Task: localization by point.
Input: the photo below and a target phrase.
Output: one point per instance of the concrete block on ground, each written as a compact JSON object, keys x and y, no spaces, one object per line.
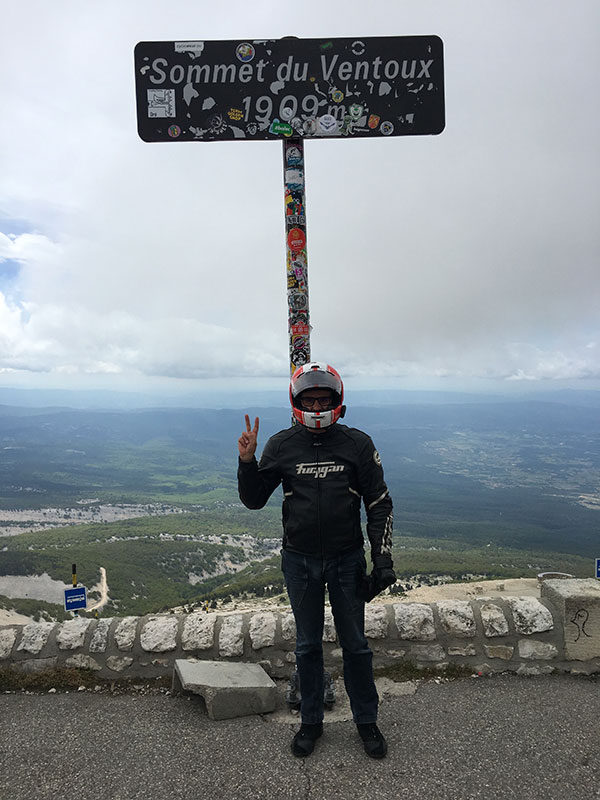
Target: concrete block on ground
{"x":229,"y":689}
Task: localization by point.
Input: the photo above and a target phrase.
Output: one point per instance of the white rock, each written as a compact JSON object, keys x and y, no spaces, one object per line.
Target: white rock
{"x":414,"y":621}
{"x":125,"y":633}
{"x":100,"y":636}
{"x":288,"y":626}
{"x":467,"y":650}
{"x":7,"y":640}
{"x":395,"y":653}
{"x":533,"y":670}
{"x":159,"y":634}
{"x":457,"y":618}
{"x":505,"y":652}
{"x":81,"y":661}
{"x":290,"y":657}
{"x":530,"y":615}
{"x":494,"y":621}
{"x":427,"y":652}
{"x":35,"y":636}
{"x":33,"y":666}
{"x":262,"y":629}
{"x":585,"y":669}
{"x":329,"y":632}
{"x":118,"y":663}
{"x":231,"y":636}
{"x":534,"y":651}
{"x":71,"y":634}
{"x":198,"y":631}
{"x":376,"y":623}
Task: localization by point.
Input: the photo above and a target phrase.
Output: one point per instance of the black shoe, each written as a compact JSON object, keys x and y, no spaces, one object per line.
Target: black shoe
{"x":373,"y":740}
{"x":303,"y":742}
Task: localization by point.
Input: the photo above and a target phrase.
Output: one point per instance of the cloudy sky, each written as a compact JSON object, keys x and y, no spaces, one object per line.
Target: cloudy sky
{"x":464,"y":257}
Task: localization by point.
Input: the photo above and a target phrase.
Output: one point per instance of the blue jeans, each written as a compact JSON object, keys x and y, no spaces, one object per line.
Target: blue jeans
{"x":305,"y":578}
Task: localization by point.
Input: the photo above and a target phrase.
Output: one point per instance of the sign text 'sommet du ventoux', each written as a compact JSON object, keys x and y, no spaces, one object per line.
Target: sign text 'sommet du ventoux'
{"x":269,"y":89}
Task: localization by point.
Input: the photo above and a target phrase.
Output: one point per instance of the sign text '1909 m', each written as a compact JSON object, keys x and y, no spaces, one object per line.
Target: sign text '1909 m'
{"x":209,"y":91}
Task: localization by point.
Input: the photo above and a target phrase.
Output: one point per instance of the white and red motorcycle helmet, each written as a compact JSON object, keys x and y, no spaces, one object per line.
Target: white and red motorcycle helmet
{"x":317,"y":375}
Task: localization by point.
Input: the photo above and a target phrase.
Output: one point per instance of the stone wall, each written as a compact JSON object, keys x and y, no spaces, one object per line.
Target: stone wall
{"x":559,"y":632}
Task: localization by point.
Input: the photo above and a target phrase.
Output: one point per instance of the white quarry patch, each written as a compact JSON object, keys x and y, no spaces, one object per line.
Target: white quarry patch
{"x":376,"y":624}
{"x":198,"y":631}
{"x":457,"y":618}
{"x":530,"y":615}
{"x":125,"y":633}
{"x":34,"y":587}
{"x":35,"y":636}
{"x":44,"y":518}
{"x":262,"y":630}
{"x":414,"y":621}
{"x":100,"y":636}
{"x":494,"y":621}
{"x":536,"y":651}
{"x":159,"y":634}
{"x":231,"y":636}
{"x":71,"y":634}
{"x":7,"y":641}
{"x":12,"y":618}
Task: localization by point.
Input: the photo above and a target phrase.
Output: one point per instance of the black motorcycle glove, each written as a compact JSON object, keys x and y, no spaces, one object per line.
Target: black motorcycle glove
{"x":380,"y":578}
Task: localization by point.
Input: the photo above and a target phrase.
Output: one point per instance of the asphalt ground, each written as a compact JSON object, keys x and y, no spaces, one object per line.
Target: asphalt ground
{"x":494,"y":738}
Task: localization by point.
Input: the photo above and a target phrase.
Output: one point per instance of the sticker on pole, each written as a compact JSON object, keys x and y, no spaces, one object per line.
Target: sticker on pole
{"x":76,"y":598}
{"x":273,"y":89}
{"x":296,"y":240}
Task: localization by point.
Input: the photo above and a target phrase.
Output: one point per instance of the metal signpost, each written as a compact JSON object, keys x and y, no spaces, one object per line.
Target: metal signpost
{"x":290,"y":89}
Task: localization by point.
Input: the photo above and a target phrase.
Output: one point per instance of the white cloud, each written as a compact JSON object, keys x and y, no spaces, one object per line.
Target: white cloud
{"x":428,"y":256}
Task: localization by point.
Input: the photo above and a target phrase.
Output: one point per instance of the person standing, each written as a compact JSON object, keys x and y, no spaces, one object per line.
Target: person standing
{"x":325,"y":469}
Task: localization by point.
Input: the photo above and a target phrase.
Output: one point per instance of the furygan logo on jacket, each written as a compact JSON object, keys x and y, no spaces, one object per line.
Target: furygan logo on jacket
{"x":319,"y":470}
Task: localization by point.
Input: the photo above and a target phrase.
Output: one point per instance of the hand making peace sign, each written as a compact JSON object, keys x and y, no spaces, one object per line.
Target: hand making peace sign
{"x":247,"y":441}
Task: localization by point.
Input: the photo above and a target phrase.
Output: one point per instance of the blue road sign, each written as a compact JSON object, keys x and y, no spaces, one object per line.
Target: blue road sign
{"x":598,"y":567}
{"x":75,"y":598}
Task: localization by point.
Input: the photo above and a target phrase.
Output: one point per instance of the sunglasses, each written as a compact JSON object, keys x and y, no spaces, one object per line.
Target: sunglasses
{"x":322,"y":402}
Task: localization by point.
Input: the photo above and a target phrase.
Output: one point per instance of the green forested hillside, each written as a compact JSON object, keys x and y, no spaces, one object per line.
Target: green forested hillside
{"x":504,"y":489}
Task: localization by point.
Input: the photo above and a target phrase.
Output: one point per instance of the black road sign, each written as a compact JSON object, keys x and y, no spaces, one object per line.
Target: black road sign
{"x":198,"y":91}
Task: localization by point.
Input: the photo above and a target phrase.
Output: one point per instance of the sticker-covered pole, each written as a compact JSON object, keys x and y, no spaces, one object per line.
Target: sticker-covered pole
{"x":297,"y":259}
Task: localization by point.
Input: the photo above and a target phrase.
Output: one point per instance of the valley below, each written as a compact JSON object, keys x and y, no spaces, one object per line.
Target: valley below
{"x":484,"y":490}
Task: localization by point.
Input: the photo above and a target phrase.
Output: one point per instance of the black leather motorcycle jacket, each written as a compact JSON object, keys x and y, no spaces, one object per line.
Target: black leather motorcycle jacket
{"x":324,"y":476}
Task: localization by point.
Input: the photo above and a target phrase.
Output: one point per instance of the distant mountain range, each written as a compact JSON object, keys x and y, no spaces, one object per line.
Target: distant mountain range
{"x":238,"y":398}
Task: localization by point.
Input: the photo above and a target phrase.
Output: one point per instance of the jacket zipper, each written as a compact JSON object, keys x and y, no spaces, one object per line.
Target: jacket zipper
{"x":316,"y":445}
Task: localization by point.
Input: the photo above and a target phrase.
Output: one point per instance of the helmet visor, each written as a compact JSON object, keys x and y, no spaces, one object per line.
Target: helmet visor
{"x":316,"y":379}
